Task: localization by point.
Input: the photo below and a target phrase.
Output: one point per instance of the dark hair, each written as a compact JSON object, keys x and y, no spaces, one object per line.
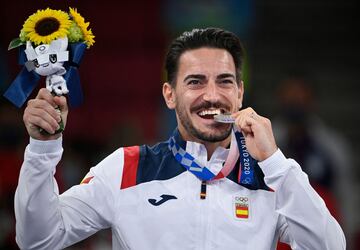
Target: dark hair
{"x":198,"y":38}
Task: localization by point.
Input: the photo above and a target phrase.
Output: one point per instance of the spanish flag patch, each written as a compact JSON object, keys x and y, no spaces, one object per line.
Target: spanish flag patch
{"x":242,"y":207}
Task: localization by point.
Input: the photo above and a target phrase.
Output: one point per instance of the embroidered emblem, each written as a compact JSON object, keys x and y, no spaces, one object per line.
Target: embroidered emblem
{"x":241,"y":207}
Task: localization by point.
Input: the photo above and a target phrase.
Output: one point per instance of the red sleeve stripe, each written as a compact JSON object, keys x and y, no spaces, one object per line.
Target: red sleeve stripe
{"x":86,"y":180}
{"x":131,"y":161}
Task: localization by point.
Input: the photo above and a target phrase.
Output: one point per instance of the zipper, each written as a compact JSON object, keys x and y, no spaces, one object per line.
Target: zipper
{"x":203,"y":190}
{"x":204,"y":230}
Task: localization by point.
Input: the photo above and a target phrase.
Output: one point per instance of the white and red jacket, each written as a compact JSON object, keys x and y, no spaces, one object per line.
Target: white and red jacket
{"x":151,"y":202}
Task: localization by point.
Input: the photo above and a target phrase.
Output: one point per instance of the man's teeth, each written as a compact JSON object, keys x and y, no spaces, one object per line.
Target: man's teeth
{"x":210,"y":112}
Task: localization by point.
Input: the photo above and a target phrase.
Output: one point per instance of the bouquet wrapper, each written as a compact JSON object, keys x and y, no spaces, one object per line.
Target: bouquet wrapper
{"x":26,"y":81}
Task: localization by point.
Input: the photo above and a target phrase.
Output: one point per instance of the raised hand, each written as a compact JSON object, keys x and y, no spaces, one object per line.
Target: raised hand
{"x":260,"y":141}
{"x":41,"y":113}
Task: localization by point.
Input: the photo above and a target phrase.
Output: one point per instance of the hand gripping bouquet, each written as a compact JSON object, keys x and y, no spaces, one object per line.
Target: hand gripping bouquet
{"x":51,"y":44}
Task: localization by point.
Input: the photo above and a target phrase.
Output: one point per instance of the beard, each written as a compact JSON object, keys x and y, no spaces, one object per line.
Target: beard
{"x":219,"y":131}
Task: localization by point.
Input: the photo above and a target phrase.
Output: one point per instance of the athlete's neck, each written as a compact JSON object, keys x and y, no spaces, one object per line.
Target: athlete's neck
{"x":210,"y":146}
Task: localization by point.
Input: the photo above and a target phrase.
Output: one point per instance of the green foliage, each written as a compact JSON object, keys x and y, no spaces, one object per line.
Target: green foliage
{"x":15,"y":43}
{"x":75,"y":33}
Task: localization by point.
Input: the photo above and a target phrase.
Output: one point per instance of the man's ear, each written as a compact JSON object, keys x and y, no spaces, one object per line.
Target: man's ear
{"x":169,"y":95}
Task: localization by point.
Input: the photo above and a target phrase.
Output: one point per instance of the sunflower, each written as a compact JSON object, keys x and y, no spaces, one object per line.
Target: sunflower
{"x":45,"y":26}
{"x":80,"y":22}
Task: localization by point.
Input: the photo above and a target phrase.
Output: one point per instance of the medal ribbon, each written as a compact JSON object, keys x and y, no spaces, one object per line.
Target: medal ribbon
{"x":247,"y":169}
{"x":203,"y":173}
{"x":247,"y":163}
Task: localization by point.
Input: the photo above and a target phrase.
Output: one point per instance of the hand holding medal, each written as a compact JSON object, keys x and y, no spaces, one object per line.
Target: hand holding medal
{"x":51,"y":44}
{"x":256,"y":129}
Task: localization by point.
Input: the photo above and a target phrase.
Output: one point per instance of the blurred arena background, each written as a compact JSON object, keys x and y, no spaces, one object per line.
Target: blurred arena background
{"x":301,"y":71}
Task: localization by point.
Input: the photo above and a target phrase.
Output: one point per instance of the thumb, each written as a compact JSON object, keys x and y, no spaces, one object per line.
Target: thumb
{"x":61,"y":102}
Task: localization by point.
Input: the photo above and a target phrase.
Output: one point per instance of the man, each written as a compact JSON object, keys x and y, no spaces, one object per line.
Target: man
{"x":191,"y":192}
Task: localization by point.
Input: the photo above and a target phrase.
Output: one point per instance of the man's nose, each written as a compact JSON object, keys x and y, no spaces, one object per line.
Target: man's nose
{"x":211,"y":93}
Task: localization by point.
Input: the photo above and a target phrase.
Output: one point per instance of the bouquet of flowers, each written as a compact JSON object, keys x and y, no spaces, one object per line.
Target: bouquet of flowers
{"x":51,"y":43}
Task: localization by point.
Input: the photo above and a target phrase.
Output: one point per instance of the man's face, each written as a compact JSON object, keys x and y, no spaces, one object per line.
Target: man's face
{"x":205,"y":86}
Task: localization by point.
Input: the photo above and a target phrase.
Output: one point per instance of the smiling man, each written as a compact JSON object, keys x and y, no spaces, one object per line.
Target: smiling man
{"x":205,"y":85}
{"x":215,"y":184}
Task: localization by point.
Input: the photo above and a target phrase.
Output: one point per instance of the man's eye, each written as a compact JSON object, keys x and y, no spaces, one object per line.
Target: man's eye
{"x":193,"y":82}
{"x":227,"y":81}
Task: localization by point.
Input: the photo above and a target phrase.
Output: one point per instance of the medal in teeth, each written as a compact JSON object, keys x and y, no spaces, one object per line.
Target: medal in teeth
{"x":210,"y":112}
{"x":224,"y":118}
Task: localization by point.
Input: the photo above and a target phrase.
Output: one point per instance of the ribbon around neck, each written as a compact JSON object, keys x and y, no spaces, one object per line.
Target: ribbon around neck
{"x":26,"y":81}
{"x":250,"y":174}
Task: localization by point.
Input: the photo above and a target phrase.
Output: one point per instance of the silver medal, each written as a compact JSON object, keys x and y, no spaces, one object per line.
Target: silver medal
{"x":224,"y":118}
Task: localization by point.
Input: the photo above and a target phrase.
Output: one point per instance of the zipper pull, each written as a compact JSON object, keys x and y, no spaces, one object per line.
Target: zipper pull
{"x":203,"y":190}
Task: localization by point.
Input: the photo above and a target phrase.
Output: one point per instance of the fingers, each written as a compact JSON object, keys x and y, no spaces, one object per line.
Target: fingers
{"x":43,"y":107}
{"x":61,"y":103}
{"x":258,"y":133}
{"x":45,"y":94}
{"x":41,"y":112}
{"x":246,"y":119}
{"x":38,"y":121}
{"x":250,"y":122}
